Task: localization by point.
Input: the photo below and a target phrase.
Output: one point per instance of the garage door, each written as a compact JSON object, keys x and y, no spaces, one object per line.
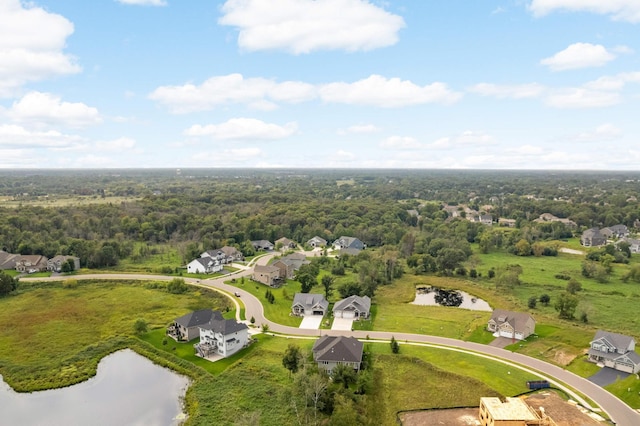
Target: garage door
{"x":506,"y":334}
{"x":318,"y":313}
{"x":348,"y":314}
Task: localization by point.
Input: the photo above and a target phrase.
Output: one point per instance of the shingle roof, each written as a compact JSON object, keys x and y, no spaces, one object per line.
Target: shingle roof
{"x":197,"y":318}
{"x":309,"y":300}
{"x":518,"y":320}
{"x":363,"y":304}
{"x":620,"y":341}
{"x":223,"y":326}
{"x":338,"y":349}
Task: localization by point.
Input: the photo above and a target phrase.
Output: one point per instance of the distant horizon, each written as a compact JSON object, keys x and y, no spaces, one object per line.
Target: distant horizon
{"x":353,"y":84}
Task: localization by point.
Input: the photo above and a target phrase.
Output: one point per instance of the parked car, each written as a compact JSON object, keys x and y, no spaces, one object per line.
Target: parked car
{"x":236,"y":294}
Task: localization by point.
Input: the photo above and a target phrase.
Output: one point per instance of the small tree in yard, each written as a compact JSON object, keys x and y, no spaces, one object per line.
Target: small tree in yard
{"x":566,"y":305}
{"x":7,"y":283}
{"x":545,"y":299}
{"x":292,"y":359}
{"x":573,"y":286}
{"x":344,"y":374}
{"x":140,"y":326}
{"x":533,"y":301}
{"x":395,"y":346}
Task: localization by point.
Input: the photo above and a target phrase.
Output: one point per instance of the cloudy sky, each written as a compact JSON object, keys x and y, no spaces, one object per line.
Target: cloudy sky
{"x":511,"y":84}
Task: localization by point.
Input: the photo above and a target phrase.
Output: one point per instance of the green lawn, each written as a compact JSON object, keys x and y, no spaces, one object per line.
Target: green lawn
{"x":57,"y":327}
{"x":280,"y":310}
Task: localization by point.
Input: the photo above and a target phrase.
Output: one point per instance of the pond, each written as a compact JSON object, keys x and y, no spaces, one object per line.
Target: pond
{"x":128,"y":389}
{"x":434,"y":296}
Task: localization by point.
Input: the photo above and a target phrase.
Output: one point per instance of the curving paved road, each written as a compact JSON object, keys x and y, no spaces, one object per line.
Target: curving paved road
{"x":616,"y":409}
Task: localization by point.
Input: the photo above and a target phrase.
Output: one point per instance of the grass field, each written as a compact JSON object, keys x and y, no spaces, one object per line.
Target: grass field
{"x":62,"y":201}
{"x":281,"y":308}
{"x":52,"y":327}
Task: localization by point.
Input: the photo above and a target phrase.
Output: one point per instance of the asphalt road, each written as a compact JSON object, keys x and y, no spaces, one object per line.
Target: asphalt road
{"x":617,"y":410}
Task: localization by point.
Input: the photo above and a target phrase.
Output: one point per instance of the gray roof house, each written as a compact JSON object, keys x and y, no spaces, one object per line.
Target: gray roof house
{"x":187,"y":327}
{"x":593,"y":238}
{"x":514,"y":325}
{"x":616,"y":231}
{"x":317,"y":242}
{"x":56,"y":264}
{"x":614,"y":350}
{"x":353,"y":307}
{"x":349,"y":242}
{"x":8,"y":260}
{"x":289,"y":264}
{"x":222,"y":337}
{"x":262,"y":245}
{"x":331,"y":351}
{"x":309,"y":304}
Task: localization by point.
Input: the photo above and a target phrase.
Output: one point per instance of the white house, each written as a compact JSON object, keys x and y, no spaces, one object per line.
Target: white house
{"x":353,"y":307}
{"x":221,"y":336}
{"x":204,"y":265}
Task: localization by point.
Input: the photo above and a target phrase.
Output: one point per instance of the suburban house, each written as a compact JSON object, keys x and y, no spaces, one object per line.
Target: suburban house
{"x":289,"y":264}
{"x":8,"y":260}
{"x":353,"y":307}
{"x":452,"y":211}
{"x":31,"y":263}
{"x":593,"y":238}
{"x":317,"y":242}
{"x":485,"y":219}
{"x":204,"y":265}
{"x":348,"y":242}
{"x":510,"y":412}
{"x":286,"y":243}
{"x":510,"y":223}
{"x":614,"y":350}
{"x":187,"y":327}
{"x":267,"y":275}
{"x":309,"y":304}
{"x":514,"y":325}
{"x":56,"y":264}
{"x":548,"y":217}
{"x":262,"y":245}
{"x":226,"y":254}
{"x":634,"y":245}
{"x":331,"y":351}
{"x":221,"y":336}
{"x":615,"y":231}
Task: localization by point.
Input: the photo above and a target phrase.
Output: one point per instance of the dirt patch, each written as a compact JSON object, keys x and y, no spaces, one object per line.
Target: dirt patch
{"x":562,"y":358}
{"x":570,"y":251}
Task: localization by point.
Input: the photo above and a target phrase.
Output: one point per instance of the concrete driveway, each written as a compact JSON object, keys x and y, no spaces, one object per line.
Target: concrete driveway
{"x":342,"y":324}
{"x":311,"y":322}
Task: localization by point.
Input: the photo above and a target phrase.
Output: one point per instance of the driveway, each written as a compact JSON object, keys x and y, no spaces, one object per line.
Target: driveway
{"x":342,"y":324}
{"x":606,"y":376}
{"x":311,"y":322}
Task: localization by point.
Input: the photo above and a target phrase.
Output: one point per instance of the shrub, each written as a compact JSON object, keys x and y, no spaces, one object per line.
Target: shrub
{"x":177,"y":286}
{"x":70,"y":283}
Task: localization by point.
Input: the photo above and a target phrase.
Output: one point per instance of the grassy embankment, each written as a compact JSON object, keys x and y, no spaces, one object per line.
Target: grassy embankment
{"x":63,"y":333}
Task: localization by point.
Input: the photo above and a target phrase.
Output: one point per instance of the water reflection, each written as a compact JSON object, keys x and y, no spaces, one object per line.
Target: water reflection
{"x":434,"y":296}
{"x":128,"y":389}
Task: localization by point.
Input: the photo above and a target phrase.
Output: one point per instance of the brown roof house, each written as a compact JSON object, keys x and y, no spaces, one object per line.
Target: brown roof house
{"x":267,"y":275}
{"x":8,"y":260}
{"x":31,"y":263}
{"x":331,"y":351}
{"x":284,"y":243}
{"x":614,"y":350}
{"x":514,"y":325}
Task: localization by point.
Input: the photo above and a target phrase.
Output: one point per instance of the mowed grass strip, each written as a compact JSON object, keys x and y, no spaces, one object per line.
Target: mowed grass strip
{"x":49,"y":326}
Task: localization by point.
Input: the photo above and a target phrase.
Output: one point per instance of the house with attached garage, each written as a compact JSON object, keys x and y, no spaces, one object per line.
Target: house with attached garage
{"x":615,"y":231}
{"x":614,"y":350}
{"x":514,"y":325}
{"x":353,"y":307}
{"x":309,"y":304}
{"x":317,"y":242}
{"x":331,"y":351}
{"x":8,"y":260}
{"x":187,"y":327}
{"x":262,"y":245}
{"x":348,"y":243}
{"x":56,"y":264}
{"x":226,"y":254}
{"x":31,"y":263}
{"x":285,"y":244}
{"x":220,"y":336}
{"x":204,"y":265}
{"x":593,"y":238}
{"x":289,"y":264}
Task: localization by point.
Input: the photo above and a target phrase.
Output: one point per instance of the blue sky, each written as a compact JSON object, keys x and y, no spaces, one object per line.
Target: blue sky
{"x":514,"y":84}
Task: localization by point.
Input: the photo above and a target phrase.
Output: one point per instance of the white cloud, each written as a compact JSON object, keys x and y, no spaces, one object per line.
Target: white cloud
{"x":32,"y":41}
{"x":342,"y":155}
{"x":303,"y":26}
{"x":15,"y":136}
{"x":45,"y":108}
{"x":231,"y":89}
{"x":117,"y":145}
{"x":582,"y":98}
{"x":400,"y":142}
{"x":619,"y":10}
{"x":604,"y":133}
{"x":579,"y":55}
{"x":144,"y":2}
{"x":359,"y":129}
{"x":379,"y":91}
{"x":243,"y":128}
{"x":520,"y":91}
{"x":464,"y":139}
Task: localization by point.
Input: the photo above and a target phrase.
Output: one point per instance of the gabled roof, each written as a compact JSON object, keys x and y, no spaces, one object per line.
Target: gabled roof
{"x":266,"y":269}
{"x":362,"y":304}
{"x":337,"y":349}
{"x":619,"y":341}
{"x":286,"y":241}
{"x":8,"y":260}
{"x":205,"y":261}
{"x":318,"y":240}
{"x":309,"y":300}
{"x":517,"y":320}
{"x":197,"y":318}
{"x":217,"y":324}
